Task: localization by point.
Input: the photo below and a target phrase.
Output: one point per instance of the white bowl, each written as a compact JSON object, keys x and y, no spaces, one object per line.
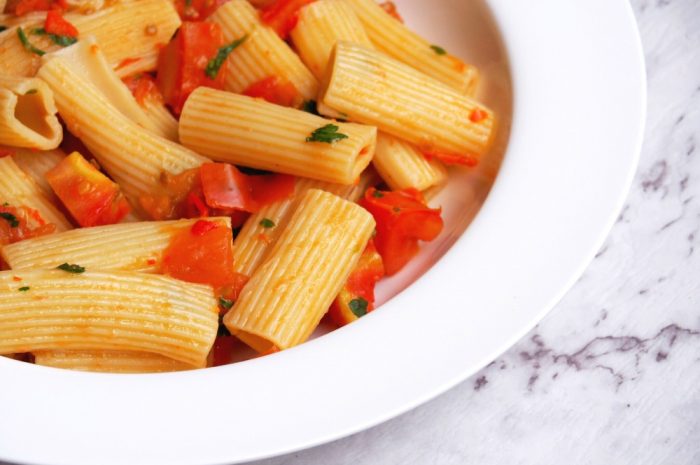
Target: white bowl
{"x":578,"y":103}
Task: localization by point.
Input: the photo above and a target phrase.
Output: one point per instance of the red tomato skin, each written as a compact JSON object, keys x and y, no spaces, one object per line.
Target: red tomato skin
{"x":22,"y":7}
{"x":142,"y":87}
{"x":56,"y":24}
{"x":91,"y":197}
{"x":283,"y":15}
{"x":182,"y":63}
{"x":31,"y":224}
{"x":403,"y":218}
{"x":275,"y":90}
{"x":197,"y":10}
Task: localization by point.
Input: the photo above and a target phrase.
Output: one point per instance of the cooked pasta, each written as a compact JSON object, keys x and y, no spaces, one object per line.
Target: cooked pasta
{"x":108,"y":361}
{"x":106,"y":311}
{"x":402,"y":165}
{"x":37,"y":164}
{"x":287,"y":296}
{"x":252,"y":132}
{"x":28,"y":114}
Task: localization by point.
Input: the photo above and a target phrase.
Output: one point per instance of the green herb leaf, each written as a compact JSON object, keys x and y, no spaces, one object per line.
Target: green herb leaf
{"x":23,"y":289}
{"x":31,"y":91}
{"x":225,"y":303}
{"x":77,"y":269}
{"x":378,"y":194}
{"x":215,"y":63}
{"x":358,"y":307}
{"x":26,"y":44}
{"x":267,"y":223}
{"x":63,"y":41}
{"x":10,"y":218}
{"x":439,"y":50}
{"x":310,"y":106}
{"x":328,"y":134}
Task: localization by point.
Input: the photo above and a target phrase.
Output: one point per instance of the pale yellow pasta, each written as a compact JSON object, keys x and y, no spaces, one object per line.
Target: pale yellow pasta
{"x":263,"y":54}
{"x":108,"y":361}
{"x":19,"y":190}
{"x":372,"y":88}
{"x":37,"y":164}
{"x":262,"y":229}
{"x":28,"y":114}
{"x":127,"y":247}
{"x":132,"y":155}
{"x":161,"y":117}
{"x":402,"y":165}
{"x":129,"y":29}
{"x":286,"y":297}
{"x":252,"y":132}
{"x":321,"y":24}
{"x":86,"y":7}
{"x":399,"y":42}
{"x":106,"y":311}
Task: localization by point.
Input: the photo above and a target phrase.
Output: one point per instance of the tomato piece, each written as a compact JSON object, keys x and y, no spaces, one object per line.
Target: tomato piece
{"x":271,"y":188}
{"x":357,"y":295}
{"x":6,"y":152}
{"x":182,"y":63}
{"x":56,"y":24}
{"x":275,"y":90}
{"x":91,"y":197}
{"x":143,"y":87}
{"x":222,"y":352}
{"x":390,"y":7}
{"x":453,"y":159}
{"x":19,"y":223}
{"x":22,"y":7}
{"x":403,"y":218}
{"x":175,"y":196}
{"x":204,"y":257}
{"x":197,"y":10}
{"x":283,"y":15}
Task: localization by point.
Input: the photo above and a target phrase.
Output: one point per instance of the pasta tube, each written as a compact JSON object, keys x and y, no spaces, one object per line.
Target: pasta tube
{"x":19,"y":190}
{"x":28,"y":114}
{"x":108,"y":361}
{"x":394,"y":39}
{"x":287,"y":296}
{"x":372,"y":88}
{"x":125,"y":246}
{"x":262,"y":55}
{"x":401,"y":165}
{"x":37,"y":164}
{"x":321,"y":24}
{"x":55,"y":309}
{"x":134,"y":157}
{"x":252,"y":132}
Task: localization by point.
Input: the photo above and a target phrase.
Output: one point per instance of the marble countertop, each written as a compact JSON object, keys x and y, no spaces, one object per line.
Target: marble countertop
{"x":612,"y":375}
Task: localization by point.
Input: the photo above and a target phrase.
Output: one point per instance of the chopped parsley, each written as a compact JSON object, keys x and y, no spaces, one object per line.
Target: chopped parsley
{"x":63,"y":41}
{"x":358,"y":307}
{"x":328,"y":134}
{"x":310,"y":106}
{"x":267,"y":223}
{"x":23,"y":289}
{"x":10,"y":218}
{"x":439,"y":50}
{"x":225,"y":303}
{"x":31,"y":91}
{"x":377,"y":194}
{"x":77,"y":269}
{"x":26,"y":44}
{"x":215,"y":63}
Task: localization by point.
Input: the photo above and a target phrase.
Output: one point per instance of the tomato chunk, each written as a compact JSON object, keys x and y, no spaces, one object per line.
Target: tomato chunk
{"x":90,"y":196}
{"x":390,"y":7}
{"x":22,"y":7}
{"x":56,"y":24}
{"x":182,"y":63}
{"x":275,"y":90}
{"x":20,"y":222}
{"x":356,"y":298}
{"x":403,"y":218}
{"x":283,"y":15}
{"x":143,"y":87}
{"x":197,"y":10}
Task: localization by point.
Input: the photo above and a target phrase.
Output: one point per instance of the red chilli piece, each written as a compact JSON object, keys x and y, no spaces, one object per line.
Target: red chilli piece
{"x":477,"y":115}
{"x":56,"y":24}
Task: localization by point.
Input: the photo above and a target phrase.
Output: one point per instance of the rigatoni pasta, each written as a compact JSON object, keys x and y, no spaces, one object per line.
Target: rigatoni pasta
{"x":252,"y":132}
{"x":108,"y":361}
{"x":37,"y":164}
{"x":287,"y":296}
{"x":401,"y":165}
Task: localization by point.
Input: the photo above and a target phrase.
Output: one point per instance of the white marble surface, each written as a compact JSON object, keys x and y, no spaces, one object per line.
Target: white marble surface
{"x":612,"y":375}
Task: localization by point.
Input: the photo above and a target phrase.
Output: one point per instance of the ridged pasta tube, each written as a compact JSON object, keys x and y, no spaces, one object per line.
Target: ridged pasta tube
{"x":133,"y":156}
{"x":262,"y":55}
{"x":321,"y":24}
{"x":394,"y":39}
{"x":372,"y":88}
{"x":106,"y":311}
{"x":108,"y":361}
{"x":19,"y":190}
{"x":252,"y":132}
{"x":37,"y":164}
{"x":286,"y":297}
{"x":28,"y":114}
{"x":125,"y":246}
{"x":401,"y":165}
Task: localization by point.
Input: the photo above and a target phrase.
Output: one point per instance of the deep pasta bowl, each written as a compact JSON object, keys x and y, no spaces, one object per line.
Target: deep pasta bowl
{"x":567,"y":81}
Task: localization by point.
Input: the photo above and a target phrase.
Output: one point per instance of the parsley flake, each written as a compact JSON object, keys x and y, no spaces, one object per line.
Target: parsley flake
{"x":63,"y":41}
{"x":77,"y":269}
{"x":267,"y":223}
{"x":377,"y":194}
{"x":328,"y":134}
{"x":310,"y":106}
{"x":358,"y":307}
{"x":439,"y":50}
{"x":215,"y":63}
{"x":225,"y":303}
{"x":26,"y":44}
{"x":10,"y":218}
{"x":23,"y":289}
